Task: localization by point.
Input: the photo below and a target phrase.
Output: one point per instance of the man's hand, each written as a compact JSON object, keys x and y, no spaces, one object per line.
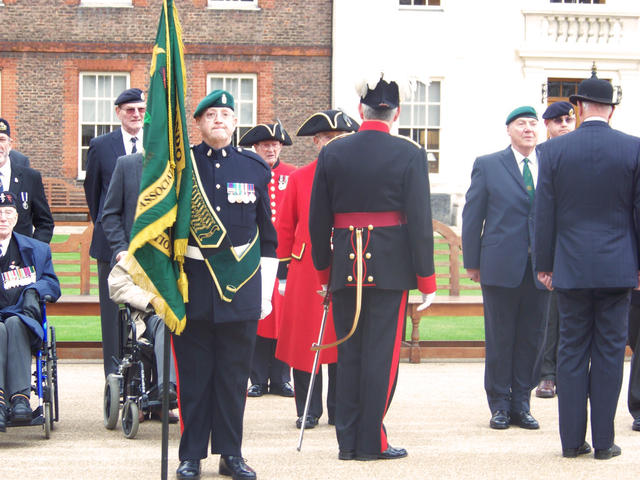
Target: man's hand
{"x":322,"y":292}
{"x":545,"y":279}
{"x":427,"y":299}
{"x":265,"y":308}
{"x":282,"y":285}
{"x":31,"y":304}
{"x":474,"y":274}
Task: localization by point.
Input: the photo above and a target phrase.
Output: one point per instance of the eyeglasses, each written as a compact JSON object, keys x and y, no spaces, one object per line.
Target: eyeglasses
{"x":132,"y":110}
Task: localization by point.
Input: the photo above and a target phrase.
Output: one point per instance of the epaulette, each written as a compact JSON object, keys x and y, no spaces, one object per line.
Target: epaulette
{"x":253,"y":156}
{"x":408,"y":140}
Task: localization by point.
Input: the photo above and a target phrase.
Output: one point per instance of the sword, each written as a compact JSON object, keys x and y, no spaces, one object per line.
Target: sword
{"x":325,"y":303}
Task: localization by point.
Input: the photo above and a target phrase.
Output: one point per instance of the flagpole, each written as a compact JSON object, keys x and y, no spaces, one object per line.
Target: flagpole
{"x":165,"y":402}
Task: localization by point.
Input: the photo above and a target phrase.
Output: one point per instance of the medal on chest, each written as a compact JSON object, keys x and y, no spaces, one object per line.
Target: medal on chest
{"x":282,"y":182}
{"x":241,"y":192}
{"x":18,"y":276}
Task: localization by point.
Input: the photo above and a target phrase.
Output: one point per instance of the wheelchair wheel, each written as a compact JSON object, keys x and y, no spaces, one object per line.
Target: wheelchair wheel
{"x":48,"y":405}
{"x":130,"y":420}
{"x":54,"y":375}
{"x":48,"y":420}
{"x":111,"y":401}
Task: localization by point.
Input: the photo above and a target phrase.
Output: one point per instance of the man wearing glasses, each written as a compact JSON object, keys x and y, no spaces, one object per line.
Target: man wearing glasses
{"x":101,"y":161}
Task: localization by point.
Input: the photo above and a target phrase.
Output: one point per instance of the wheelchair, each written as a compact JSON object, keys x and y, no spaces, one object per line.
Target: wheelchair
{"x":134,"y":386}
{"x":45,"y":384}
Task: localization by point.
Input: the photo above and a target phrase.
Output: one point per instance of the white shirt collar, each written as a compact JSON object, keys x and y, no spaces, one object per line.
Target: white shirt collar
{"x":5,"y":171}
{"x":598,"y":119}
{"x":126,"y":139}
{"x":533,"y":158}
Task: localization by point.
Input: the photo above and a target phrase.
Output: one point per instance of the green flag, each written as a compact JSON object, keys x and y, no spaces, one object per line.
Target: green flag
{"x":161,"y":227}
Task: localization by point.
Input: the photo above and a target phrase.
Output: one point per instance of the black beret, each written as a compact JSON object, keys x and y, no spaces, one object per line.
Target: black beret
{"x":558,"y":109}
{"x":5,"y":127}
{"x":327,"y":121}
{"x":7,"y":199}
{"x":519,"y":112}
{"x":131,"y":95}
{"x":217,"y":98}
{"x":385,"y":95}
{"x":259,"y":133}
{"x":594,"y":90}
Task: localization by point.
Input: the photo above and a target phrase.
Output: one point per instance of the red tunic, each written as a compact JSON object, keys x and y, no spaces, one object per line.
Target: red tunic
{"x":301,"y":311}
{"x":268,"y":327}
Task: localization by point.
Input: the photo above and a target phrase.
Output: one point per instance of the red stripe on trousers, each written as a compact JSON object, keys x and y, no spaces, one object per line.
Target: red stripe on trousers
{"x":395,"y":361}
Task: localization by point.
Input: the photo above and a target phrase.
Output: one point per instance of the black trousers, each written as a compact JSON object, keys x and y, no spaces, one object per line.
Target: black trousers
{"x":213,"y":362}
{"x":301,"y":380}
{"x":514,"y":333}
{"x":108,"y":320}
{"x":266,"y":368}
{"x":633,"y":399}
{"x":593,"y":337}
{"x":367,"y":366}
{"x":550,"y":353}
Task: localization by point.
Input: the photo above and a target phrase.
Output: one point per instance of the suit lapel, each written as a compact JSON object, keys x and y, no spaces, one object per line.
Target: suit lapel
{"x":508,"y":159}
{"x":117,"y":144}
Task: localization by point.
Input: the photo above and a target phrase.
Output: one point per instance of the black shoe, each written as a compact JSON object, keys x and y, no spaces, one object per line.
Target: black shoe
{"x":188,"y":469}
{"x":391,"y":453}
{"x":574,"y":452}
{"x":256,"y":390}
{"x":524,"y":420}
{"x":499,"y":420}
{"x":173,"y":394}
{"x":311,"y":422}
{"x":636,"y":424}
{"x":3,"y":419}
{"x":606,"y":453}
{"x":236,"y":468}
{"x":346,"y":455}
{"x":284,"y":390}
{"x":20,"y":409}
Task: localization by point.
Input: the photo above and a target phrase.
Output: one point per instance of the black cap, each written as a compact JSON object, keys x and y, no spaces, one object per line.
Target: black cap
{"x":5,"y":127}
{"x":594,"y":90}
{"x":558,"y":109}
{"x":7,"y":199}
{"x":131,"y":95}
{"x":259,"y":133}
{"x":327,"y":121}
{"x":384,"y":95}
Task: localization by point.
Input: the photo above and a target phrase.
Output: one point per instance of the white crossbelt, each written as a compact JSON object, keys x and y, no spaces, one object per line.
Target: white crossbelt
{"x":196,"y":254}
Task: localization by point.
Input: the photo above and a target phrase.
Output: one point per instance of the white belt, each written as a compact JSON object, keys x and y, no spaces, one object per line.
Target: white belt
{"x":196,"y":254}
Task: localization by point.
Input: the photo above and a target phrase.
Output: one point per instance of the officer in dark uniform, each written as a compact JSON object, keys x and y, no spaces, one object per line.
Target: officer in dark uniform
{"x":231,"y":267}
{"x":34,"y":215}
{"x":268,"y":374}
{"x":372,"y":189}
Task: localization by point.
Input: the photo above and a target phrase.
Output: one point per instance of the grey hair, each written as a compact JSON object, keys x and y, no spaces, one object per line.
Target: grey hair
{"x":383,"y":114}
{"x":594,"y":107}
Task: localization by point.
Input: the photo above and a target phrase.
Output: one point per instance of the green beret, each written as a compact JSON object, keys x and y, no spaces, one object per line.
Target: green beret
{"x":528,"y":112}
{"x":217,"y":98}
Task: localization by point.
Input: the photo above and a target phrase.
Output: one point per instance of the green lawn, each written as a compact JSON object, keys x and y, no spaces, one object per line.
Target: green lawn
{"x":76,"y":329}
{"x":449,"y":328}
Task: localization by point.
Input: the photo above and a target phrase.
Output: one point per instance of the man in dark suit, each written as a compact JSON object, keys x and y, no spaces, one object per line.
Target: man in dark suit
{"x":34,"y":215}
{"x":101,"y":161}
{"x":633,"y":397}
{"x":497,"y":233}
{"x":559,"y":118}
{"x":587,"y":212}
{"x":371,"y":189}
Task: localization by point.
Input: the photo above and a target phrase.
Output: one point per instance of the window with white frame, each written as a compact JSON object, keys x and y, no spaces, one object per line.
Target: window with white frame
{"x":234,"y":4}
{"x":106,"y":3}
{"x":420,"y":3}
{"x":420,"y":121}
{"x":97,"y":92}
{"x":244,"y":91}
{"x":579,"y":1}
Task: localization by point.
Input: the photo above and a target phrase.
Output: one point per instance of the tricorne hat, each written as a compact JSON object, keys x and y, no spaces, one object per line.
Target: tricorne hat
{"x":265,"y":131}
{"x":327,"y":121}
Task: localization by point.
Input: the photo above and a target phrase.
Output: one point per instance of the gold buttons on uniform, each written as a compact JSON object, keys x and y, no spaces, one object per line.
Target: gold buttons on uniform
{"x":224,"y":152}
{"x":370,"y":278}
{"x":351,"y":228}
{"x":370,"y":227}
{"x":352,"y":256}
{"x":367,"y":255}
{"x":217,"y":209}
{"x":209,"y":153}
{"x":218,"y":186}
{"x":349,"y":278}
{"x":217,"y":165}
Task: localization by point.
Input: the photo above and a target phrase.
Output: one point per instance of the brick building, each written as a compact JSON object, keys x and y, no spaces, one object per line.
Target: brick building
{"x":62,"y":62}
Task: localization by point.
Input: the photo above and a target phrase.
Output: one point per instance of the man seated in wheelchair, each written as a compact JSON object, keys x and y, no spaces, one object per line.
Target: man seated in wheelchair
{"x":149,"y":328}
{"x":27,"y":277}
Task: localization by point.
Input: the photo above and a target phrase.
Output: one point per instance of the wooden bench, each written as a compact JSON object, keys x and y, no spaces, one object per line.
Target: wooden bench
{"x":65,"y":197}
{"x":449,"y":244}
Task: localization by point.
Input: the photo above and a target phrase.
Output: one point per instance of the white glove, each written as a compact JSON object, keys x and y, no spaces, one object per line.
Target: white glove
{"x":427,"y":299}
{"x":268,"y":271}
{"x":282,"y":284}
{"x":322,"y":292}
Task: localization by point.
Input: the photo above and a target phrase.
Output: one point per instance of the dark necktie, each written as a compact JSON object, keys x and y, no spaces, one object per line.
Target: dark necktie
{"x":528,"y":179}
{"x":134,"y":140}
